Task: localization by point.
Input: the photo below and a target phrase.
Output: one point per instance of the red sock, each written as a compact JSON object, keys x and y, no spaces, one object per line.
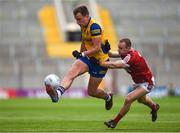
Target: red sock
{"x":117,"y":118}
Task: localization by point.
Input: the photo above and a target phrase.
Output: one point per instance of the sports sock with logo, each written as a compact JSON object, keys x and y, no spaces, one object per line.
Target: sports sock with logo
{"x":60,"y":90}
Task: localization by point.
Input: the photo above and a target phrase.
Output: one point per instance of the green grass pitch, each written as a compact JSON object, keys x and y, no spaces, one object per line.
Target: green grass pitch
{"x":85,"y":115}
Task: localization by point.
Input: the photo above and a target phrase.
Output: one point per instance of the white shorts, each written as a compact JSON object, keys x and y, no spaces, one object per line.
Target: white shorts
{"x":146,"y":86}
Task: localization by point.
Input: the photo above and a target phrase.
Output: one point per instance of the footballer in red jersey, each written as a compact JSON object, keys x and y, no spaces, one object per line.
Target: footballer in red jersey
{"x":136,"y":66}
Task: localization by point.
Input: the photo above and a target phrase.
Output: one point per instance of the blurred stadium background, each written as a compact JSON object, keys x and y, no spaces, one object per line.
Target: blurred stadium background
{"x":37,"y":38}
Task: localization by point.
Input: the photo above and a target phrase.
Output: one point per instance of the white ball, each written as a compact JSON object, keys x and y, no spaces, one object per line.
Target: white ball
{"x":52,"y":80}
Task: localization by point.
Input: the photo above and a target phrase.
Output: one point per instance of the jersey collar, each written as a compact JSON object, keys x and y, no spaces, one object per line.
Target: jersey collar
{"x":129,"y":52}
{"x":88,"y":23}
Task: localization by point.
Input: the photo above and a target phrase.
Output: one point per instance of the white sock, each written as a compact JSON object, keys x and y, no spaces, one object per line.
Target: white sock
{"x":58,"y":92}
{"x":108,"y":98}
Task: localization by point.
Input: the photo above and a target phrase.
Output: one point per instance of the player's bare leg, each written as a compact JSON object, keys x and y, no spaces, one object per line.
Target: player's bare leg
{"x":94,"y":91}
{"x":130,"y":98}
{"x":77,"y":69}
{"x":146,"y":100}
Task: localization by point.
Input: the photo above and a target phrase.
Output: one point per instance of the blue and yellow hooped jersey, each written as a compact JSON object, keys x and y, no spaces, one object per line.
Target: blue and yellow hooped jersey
{"x":93,"y":30}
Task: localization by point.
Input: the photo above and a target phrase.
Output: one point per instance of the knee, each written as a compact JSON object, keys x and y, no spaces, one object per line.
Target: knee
{"x":91,"y":93}
{"x":128,"y":100}
{"x":140,"y":100}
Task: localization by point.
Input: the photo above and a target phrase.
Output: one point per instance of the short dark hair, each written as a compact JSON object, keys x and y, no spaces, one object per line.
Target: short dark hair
{"x":127,"y":41}
{"x":81,"y":9}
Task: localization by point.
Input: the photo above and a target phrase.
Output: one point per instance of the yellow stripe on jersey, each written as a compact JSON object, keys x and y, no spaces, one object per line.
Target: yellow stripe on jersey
{"x":97,"y":31}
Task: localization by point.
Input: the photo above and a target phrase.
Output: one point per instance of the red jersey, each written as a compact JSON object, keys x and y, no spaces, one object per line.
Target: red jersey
{"x":138,"y":68}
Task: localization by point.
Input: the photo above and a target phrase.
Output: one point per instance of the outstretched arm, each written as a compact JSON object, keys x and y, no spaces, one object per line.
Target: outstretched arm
{"x":114,"y":64}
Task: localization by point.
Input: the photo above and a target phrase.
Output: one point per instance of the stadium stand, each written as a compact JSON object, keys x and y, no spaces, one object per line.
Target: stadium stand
{"x":154,"y":27}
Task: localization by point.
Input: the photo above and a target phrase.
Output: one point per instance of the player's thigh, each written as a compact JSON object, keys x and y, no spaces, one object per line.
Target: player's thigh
{"x":77,"y":68}
{"x":139,"y":92}
{"x":94,"y":83}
